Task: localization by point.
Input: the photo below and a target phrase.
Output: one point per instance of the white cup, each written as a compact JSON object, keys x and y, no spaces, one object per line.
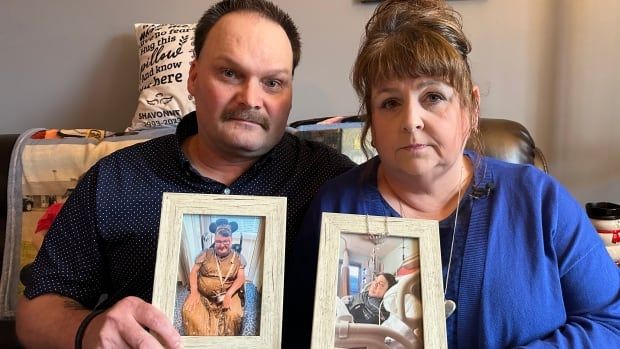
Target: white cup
{"x":605,"y":217}
{"x":609,"y":232}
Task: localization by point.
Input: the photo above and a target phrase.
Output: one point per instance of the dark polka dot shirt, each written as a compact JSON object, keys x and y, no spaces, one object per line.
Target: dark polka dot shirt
{"x":104,"y":241}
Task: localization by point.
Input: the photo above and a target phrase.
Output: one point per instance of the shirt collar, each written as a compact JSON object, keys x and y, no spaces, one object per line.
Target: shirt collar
{"x":186,"y":128}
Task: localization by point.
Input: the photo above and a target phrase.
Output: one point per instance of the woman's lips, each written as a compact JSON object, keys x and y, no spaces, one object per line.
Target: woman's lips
{"x":416,"y":146}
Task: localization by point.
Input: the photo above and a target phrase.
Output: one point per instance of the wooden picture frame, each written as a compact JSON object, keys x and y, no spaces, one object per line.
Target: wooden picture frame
{"x":177,"y":240}
{"x":389,"y":239}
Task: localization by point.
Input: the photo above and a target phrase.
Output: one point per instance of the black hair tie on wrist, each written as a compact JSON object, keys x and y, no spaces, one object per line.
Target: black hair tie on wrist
{"x":79,"y":336}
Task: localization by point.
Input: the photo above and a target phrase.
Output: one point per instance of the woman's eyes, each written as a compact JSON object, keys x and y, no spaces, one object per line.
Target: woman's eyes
{"x":389,"y":104}
{"x":434,"y":97}
{"x":428,"y":99}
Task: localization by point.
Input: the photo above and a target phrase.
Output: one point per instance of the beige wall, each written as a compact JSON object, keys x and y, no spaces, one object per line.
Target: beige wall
{"x":553,"y":66}
{"x":586,"y":123}
{"x":549,"y":64}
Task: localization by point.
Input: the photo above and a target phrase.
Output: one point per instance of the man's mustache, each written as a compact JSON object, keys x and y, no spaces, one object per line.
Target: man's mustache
{"x":248,"y":115}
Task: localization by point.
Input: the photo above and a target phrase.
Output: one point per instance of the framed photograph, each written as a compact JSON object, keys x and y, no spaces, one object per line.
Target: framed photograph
{"x":379,"y":281}
{"x":219,"y":274}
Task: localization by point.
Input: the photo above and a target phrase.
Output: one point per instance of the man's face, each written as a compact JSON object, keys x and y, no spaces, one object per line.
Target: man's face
{"x":222,"y":245}
{"x":242,"y":83}
{"x":378,"y":287}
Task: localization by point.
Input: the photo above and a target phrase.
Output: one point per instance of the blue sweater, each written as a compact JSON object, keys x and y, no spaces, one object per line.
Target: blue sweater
{"x":534,"y":272}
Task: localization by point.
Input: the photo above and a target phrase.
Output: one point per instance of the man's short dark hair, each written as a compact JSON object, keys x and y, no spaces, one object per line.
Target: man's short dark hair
{"x":263,"y":8}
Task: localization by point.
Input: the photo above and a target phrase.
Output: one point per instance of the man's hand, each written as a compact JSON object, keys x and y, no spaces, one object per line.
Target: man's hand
{"x":122,"y":326}
{"x":51,"y":321}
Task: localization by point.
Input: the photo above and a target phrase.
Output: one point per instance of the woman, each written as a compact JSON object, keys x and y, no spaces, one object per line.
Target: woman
{"x":522,"y":263}
{"x":213,"y":306}
{"x":366,"y":307}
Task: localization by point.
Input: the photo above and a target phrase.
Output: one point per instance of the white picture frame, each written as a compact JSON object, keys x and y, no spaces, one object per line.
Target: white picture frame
{"x":268,"y":272}
{"x":417,"y":236}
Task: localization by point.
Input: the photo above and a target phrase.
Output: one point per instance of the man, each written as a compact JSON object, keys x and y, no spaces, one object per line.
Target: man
{"x":104,"y":241}
{"x":367,"y":306}
{"x":213,"y":306}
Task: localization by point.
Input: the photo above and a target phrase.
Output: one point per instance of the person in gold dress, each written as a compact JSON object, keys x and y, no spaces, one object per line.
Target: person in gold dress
{"x":213,"y":306}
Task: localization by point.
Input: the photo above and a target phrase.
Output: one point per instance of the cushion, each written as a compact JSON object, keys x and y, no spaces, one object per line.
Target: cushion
{"x":165,"y":53}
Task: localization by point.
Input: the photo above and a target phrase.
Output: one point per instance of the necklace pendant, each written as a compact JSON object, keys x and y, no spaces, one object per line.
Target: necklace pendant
{"x":450,"y":307}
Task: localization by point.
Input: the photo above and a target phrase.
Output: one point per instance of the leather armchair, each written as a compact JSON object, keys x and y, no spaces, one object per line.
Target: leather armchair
{"x":510,"y":141}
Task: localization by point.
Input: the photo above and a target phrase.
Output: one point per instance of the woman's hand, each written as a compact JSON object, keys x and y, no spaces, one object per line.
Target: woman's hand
{"x":193,"y":300}
{"x":227,"y":301}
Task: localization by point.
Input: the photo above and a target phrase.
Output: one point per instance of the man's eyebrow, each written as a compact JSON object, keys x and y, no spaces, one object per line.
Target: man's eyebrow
{"x":227,"y":60}
{"x":223,"y":58}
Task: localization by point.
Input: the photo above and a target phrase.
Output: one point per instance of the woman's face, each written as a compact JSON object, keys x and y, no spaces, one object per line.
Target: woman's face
{"x":378,"y":287}
{"x":418,"y":125}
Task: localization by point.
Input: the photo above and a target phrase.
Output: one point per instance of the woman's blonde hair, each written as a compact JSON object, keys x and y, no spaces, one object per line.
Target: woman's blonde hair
{"x":409,"y":39}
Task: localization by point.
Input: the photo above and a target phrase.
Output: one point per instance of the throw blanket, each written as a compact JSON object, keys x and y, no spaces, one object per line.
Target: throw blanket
{"x":45,"y":167}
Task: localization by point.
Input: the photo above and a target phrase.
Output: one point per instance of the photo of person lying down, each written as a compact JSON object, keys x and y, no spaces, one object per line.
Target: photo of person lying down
{"x":378,"y":302}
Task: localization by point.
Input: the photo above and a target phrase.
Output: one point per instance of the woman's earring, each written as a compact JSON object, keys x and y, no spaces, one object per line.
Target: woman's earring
{"x":372,"y":143}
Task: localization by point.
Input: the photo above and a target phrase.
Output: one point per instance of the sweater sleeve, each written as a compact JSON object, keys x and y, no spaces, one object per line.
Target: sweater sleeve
{"x":589,"y":279}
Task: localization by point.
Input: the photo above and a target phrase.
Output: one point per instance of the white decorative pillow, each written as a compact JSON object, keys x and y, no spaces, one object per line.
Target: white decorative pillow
{"x":165,"y":53}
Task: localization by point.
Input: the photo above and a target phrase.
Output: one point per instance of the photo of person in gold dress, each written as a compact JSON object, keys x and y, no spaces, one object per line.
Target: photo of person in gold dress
{"x":213,"y":306}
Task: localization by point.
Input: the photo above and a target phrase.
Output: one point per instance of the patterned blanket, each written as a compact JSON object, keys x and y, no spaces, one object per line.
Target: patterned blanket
{"x":45,"y":167}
